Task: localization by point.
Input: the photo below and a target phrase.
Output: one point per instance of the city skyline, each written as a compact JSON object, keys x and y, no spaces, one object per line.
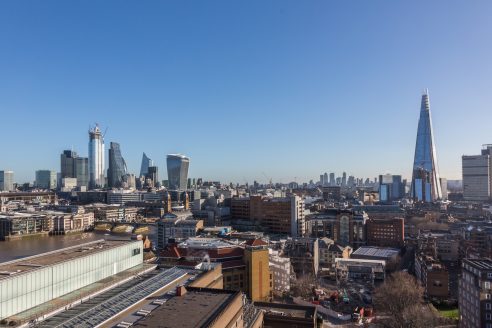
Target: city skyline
{"x":321,"y":67}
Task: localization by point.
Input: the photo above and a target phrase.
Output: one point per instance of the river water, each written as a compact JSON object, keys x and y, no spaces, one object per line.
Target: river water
{"x":14,"y":249}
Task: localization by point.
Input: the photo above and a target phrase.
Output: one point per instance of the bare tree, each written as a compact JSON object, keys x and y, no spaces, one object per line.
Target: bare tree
{"x":399,"y":301}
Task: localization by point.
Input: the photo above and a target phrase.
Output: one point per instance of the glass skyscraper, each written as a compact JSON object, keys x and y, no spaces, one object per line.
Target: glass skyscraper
{"x":72,"y":166}
{"x":96,"y":158}
{"x":146,"y":163}
{"x":177,"y":171}
{"x":426,"y":186}
{"x":117,"y":170}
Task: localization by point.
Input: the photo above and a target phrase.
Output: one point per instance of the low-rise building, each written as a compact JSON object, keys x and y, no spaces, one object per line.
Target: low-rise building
{"x":433,"y":276}
{"x":328,"y":252}
{"x":391,"y":256}
{"x":177,"y":228}
{"x":370,"y":271}
{"x":280,"y":268}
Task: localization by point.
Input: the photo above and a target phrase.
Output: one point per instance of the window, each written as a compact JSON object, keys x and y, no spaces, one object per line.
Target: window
{"x":488,"y":306}
{"x":488,"y":316}
{"x":487,"y":285}
{"x":136,"y":251}
{"x":489,"y":275}
{"x":487,"y":296}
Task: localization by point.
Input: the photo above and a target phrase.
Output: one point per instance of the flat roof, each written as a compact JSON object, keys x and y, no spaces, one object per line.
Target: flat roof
{"x":27,"y":264}
{"x":380,"y":252}
{"x":193,"y":309}
{"x":296,"y":311}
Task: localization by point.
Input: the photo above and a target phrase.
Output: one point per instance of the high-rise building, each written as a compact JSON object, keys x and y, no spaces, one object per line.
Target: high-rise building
{"x":146,"y":163}
{"x":426,"y":186}
{"x":177,"y":171}
{"x":67,"y":164}
{"x":332,"y":179}
{"x":477,"y":175}
{"x":45,"y":179}
{"x":117,"y":166}
{"x":153,"y":174}
{"x":96,"y":158}
{"x":6,"y":180}
{"x":391,"y":188}
{"x":344,"y":179}
{"x":321,"y":179}
{"x":72,"y":166}
{"x":325,"y":179}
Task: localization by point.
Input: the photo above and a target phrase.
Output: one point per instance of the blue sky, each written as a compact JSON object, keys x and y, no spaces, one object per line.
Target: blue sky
{"x":286,"y":89}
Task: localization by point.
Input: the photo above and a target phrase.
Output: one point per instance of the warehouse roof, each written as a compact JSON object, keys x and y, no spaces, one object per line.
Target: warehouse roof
{"x":31,"y":263}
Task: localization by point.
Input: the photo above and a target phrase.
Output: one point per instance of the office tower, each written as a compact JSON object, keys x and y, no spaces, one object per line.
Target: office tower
{"x":426,"y":186}
{"x":82,"y":171}
{"x":344,"y":179}
{"x":146,"y":163}
{"x":477,"y":175}
{"x":153,"y":174}
{"x":6,"y":180}
{"x":117,"y":167}
{"x":45,"y":179}
{"x":321,"y":179}
{"x":67,"y":164}
{"x":474,"y":297}
{"x":96,"y":158}
{"x":332,"y":179}
{"x":351,"y":181}
{"x":72,"y":166}
{"x":177,"y":171}
{"x":391,"y":188}
{"x":325,"y":179}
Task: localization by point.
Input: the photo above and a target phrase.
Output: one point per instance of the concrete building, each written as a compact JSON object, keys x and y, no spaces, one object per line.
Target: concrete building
{"x":16,"y":225}
{"x":46,"y":179}
{"x":6,"y":180}
{"x":280,"y":268}
{"x":477,"y":175}
{"x":386,"y":232}
{"x":31,"y":281}
{"x":475,"y":300}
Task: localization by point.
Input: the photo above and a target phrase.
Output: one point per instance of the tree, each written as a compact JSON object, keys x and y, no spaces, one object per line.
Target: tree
{"x":399,"y":301}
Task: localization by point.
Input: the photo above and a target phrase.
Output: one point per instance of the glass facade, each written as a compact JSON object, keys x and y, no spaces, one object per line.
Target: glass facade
{"x":96,"y":158}
{"x":177,"y":171}
{"x":117,"y":170}
{"x":426,"y":185}
{"x":146,"y":163}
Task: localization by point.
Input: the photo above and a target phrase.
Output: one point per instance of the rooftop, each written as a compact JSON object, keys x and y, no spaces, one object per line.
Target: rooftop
{"x":379,"y":252}
{"x":197,"y":308}
{"x":31,"y":263}
{"x":481,"y":264}
{"x":290,"y":310}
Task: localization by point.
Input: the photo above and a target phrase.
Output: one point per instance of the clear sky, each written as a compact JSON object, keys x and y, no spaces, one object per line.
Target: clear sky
{"x":247,"y":89}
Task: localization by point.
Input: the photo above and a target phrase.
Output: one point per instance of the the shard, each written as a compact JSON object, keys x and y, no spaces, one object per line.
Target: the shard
{"x":426,"y":186}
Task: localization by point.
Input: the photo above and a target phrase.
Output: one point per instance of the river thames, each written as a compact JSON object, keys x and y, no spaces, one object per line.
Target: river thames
{"x":14,"y":249}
